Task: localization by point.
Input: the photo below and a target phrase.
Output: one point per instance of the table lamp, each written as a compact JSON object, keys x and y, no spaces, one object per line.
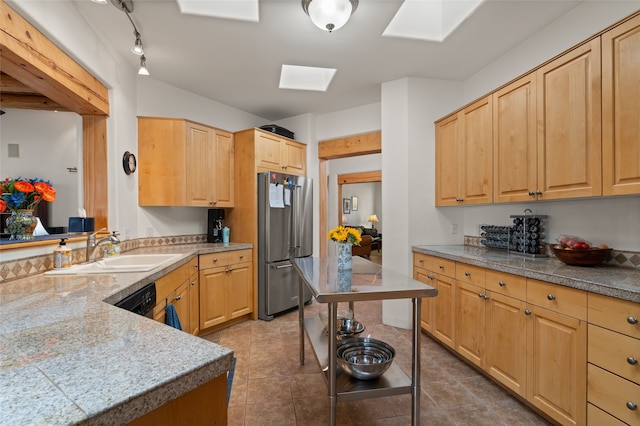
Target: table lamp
{"x":373,"y":219}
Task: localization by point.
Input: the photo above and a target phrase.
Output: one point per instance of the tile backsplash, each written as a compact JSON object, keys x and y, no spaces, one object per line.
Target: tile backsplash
{"x":20,"y":268}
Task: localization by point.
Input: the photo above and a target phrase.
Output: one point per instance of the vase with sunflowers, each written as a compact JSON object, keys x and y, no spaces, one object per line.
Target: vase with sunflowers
{"x":345,"y":237}
{"x":20,"y":196}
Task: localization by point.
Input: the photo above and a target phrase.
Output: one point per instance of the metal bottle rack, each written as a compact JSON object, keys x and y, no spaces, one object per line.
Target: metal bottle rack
{"x":524,"y":237}
{"x":527,"y":234}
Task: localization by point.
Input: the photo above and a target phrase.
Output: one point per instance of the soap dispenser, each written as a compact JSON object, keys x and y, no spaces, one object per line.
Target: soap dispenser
{"x":62,"y":255}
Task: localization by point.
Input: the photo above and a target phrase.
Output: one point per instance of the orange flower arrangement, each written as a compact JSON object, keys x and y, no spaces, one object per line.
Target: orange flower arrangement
{"x":24,"y":194}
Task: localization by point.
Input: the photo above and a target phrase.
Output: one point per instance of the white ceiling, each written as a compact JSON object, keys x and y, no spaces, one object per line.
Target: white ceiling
{"x":238,"y":63}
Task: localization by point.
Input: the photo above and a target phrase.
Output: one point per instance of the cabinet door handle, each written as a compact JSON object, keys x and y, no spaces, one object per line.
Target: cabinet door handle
{"x":631,"y":406}
{"x":229,"y":270}
{"x":527,"y":312}
{"x":215,"y":259}
{"x":242,"y":256}
{"x":632,"y":320}
{"x":501,"y":284}
{"x":551,"y":297}
{"x":431,"y":277}
{"x":441,"y":266}
{"x":538,"y":192}
{"x":531,"y":193}
{"x":193,"y":283}
{"x":421,"y":261}
{"x":481,"y":296}
{"x":631,"y":360}
{"x":467,"y":274}
{"x":177,"y":298}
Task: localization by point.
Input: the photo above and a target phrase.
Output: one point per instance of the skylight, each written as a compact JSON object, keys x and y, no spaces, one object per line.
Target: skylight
{"x":432,"y":20}
{"x":306,"y":78}
{"x":242,"y":10}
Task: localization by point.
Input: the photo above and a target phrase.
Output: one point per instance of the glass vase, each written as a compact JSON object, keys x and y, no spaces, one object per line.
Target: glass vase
{"x":344,"y":256}
{"x":21,"y":225}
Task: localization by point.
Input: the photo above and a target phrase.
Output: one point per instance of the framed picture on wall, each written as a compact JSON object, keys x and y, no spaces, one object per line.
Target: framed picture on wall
{"x":354,"y":204}
{"x":346,"y":205}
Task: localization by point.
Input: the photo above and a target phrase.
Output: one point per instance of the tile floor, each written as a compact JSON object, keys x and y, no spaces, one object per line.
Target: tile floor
{"x":270,"y":387}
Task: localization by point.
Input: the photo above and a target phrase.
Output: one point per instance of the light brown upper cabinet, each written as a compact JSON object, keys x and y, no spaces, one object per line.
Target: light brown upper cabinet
{"x":515,"y":165}
{"x":621,"y":109}
{"x":547,"y":142}
{"x":277,"y":153}
{"x":569,"y":120}
{"x":464,"y":156}
{"x":182,"y":163}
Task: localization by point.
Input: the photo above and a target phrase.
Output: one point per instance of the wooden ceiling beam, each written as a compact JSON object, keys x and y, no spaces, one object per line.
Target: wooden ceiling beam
{"x":28,"y":56}
{"x":37,"y":102}
{"x":351,"y":146}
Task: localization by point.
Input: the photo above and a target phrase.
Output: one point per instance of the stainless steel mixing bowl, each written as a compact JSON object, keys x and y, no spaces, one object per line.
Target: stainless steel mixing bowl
{"x":364,"y":358}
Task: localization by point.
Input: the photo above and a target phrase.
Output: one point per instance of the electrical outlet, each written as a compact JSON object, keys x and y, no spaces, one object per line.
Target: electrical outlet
{"x":149,"y":231}
{"x":454,"y":228}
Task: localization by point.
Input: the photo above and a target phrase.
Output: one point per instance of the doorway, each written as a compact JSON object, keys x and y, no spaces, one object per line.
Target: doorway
{"x":351,"y":146}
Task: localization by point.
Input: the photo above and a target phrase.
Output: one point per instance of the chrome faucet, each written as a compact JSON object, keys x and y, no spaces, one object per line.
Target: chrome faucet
{"x":93,"y":244}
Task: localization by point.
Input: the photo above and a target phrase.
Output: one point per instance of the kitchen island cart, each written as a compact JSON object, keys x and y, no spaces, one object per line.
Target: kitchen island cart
{"x":365,"y":282}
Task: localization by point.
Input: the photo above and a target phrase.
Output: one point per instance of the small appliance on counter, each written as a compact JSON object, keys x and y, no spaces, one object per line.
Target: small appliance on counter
{"x":214,"y":225}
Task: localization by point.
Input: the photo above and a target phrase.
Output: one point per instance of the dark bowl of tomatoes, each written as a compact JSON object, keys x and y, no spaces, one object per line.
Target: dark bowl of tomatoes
{"x":581,"y":257}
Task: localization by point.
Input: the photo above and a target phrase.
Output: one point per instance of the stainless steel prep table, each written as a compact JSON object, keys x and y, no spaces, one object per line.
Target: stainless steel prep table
{"x":366,"y":281}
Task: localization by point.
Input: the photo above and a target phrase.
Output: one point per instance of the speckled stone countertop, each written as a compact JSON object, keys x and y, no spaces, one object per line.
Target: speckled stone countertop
{"x":67,"y":357}
{"x":623,"y":283}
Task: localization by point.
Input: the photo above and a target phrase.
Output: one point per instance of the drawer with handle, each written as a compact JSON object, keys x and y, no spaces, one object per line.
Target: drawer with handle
{"x":614,"y":352}
{"x":619,"y":315}
{"x":213,"y":260}
{"x":613,"y":394}
{"x":510,"y":285}
{"x":563,"y":300}
{"x":470,"y":274}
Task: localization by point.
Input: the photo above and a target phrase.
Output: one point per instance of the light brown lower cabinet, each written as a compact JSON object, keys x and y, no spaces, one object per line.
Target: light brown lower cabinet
{"x":614,"y":361}
{"x":556,"y":365}
{"x":506,"y":327}
{"x":226,"y":287}
{"x":204,"y":405}
{"x":180,"y":288}
{"x":517,"y":332}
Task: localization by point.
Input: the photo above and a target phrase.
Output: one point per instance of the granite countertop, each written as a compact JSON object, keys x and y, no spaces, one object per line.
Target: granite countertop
{"x":68,"y":357}
{"x":623,"y":283}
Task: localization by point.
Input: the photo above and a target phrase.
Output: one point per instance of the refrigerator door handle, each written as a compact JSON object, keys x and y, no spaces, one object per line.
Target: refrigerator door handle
{"x":283,"y":266}
{"x":295,"y":245}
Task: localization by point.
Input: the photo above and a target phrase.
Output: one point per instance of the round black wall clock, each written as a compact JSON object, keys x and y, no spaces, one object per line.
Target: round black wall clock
{"x":129,"y":163}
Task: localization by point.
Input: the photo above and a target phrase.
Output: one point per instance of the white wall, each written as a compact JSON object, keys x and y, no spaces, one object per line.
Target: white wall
{"x":47,"y":147}
{"x":369,"y":197}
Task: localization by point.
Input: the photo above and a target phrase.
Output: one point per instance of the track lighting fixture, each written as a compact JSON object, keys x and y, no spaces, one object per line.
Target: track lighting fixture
{"x":143,"y":66}
{"x":127,"y":7}
{"x":137,"y":47}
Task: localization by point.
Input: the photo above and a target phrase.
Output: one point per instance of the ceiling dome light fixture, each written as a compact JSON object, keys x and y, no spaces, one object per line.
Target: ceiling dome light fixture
{"x":329,"y":15}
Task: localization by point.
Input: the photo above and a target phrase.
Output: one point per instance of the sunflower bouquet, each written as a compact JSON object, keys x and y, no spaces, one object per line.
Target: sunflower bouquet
{"x":24,"y":194}
{"x":343,"y":234}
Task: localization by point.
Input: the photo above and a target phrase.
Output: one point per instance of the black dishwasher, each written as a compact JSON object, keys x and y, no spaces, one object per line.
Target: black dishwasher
{"x":140,"y":302}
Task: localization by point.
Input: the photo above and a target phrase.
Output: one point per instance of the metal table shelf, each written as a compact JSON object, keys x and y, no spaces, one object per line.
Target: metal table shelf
{"x":366,"y":281}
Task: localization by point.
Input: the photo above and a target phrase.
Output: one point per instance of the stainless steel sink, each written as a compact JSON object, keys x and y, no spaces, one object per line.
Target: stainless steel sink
{"x":117,"y":264}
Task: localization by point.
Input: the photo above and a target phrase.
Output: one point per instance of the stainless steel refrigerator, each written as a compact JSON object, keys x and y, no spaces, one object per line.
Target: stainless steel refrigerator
{"x":285,"y":231}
